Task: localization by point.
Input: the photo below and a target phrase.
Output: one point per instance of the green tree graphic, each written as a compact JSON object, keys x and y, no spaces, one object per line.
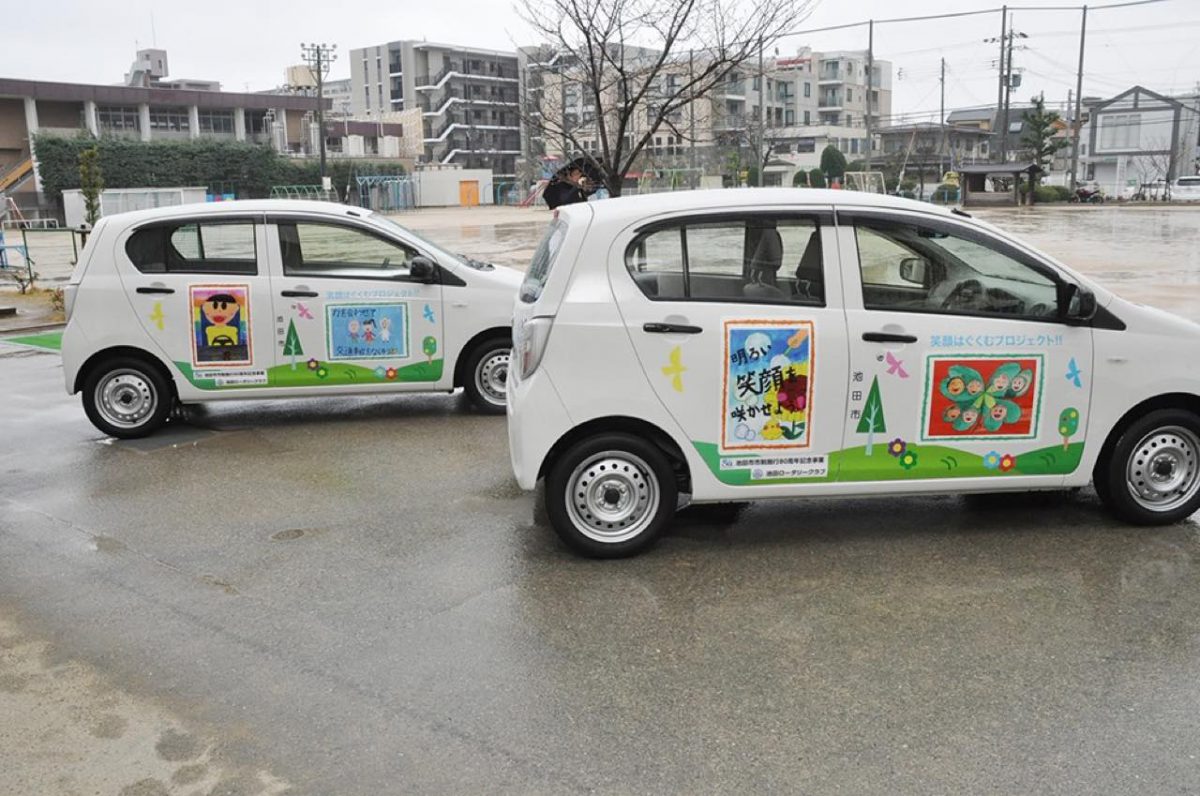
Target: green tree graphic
{"x":291,"y":346}
{"x":429,"y":346}
{"x":1068,"y":424}
{"x":872,"y":422}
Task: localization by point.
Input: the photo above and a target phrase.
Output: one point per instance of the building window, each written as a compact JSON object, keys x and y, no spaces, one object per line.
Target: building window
{"x":174,"y":120}
{"x":1120,"y":131}
{"x":807,"y":118}
{"x":849,"y":94}
{"x":216,"y":121}
{"x":789,"y":117}
{"x":118,"y":117}
{"x":808,"y":89}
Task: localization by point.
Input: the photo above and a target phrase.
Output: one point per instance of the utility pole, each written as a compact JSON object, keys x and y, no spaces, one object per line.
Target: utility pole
{"x":1003,"y":68}
{"x":1008,"y":87}
{"x":870,"y":82}
{"x":762,"y":113}
{"x":942,"y":119}
{"x":692,"y":109}
{"x":319,"y":57}
{"x":1077,"y":122}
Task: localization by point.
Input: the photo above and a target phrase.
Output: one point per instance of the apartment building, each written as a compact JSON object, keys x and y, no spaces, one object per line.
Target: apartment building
{"x":797,"y":104}
{"x":467,"y":99}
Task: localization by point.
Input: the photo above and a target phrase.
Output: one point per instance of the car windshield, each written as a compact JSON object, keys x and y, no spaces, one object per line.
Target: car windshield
{"x":437,"y":250}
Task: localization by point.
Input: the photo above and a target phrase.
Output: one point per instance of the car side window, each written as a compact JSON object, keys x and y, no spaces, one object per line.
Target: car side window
{"x":333,"y":250}
{"x":757,"y":259}
{"x":194,"y":248}
{"x":915,"y":268}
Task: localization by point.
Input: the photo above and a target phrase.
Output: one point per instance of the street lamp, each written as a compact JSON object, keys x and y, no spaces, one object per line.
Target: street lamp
{"x":319,"y":57}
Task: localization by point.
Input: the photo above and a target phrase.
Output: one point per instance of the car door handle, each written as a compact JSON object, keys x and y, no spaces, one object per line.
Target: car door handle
{"x":887,"y":337}
{"x":671,"y":328}
{"x":155,"y":290}
{"x":299,"y":293}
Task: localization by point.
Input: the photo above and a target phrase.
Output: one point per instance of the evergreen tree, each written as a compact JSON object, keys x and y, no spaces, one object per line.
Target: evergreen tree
{"x":871,"y":422}
{"x":1040,"y":135}
{"x":291,"y":345}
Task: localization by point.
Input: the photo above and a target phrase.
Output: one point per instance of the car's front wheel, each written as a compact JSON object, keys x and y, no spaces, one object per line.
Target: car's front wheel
{"x":126,"y":398}
{"x":1152,"y":475}
{"x":610,"y":495}
{"x":486,"y":381}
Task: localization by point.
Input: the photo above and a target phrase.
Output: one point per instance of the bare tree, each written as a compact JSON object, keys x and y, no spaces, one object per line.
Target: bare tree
{"x":638,"y":65}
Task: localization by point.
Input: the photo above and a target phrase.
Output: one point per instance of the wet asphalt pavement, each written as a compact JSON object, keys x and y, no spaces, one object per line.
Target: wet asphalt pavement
{"x":354,"y":595}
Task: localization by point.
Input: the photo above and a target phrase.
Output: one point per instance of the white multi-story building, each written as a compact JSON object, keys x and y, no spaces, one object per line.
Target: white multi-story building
{"x":464,"y":98}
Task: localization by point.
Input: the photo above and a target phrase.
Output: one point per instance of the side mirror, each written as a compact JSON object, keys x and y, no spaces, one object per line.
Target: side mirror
{"x":915,"y":270}
{"x":1081,"y":304}
{"x":422,"y":269}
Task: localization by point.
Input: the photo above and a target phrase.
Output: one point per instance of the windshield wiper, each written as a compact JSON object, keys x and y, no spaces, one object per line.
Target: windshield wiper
{"x":478,"y":265}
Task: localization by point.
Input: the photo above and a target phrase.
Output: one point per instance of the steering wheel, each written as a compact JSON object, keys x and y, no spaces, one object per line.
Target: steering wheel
{"x":966,"y":294}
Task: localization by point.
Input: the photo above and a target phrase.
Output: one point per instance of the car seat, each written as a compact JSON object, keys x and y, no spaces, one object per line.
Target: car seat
{"x":810,"y":282}
{"x":763,"y":268}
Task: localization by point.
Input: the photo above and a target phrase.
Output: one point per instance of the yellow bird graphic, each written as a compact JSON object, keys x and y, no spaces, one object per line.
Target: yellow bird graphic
{"x":675,"y":369}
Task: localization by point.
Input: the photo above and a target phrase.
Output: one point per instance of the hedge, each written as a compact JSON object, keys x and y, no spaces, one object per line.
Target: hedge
{"x":249,"y":169}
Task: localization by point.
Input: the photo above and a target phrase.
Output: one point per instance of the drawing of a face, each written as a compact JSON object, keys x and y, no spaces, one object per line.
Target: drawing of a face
{"x":969,"y":416}
{"x":974,"y":386}
{"x":999,"y":413}
{"x":353,"y":327}
{"x":220,"y":309}
{"x":369,"y":326}
{"x":956,"y":386}
{"x":999,"y":383}
{"x":385,"y":323}
{"x":952,"y":413}
{"x":1021,"y":382}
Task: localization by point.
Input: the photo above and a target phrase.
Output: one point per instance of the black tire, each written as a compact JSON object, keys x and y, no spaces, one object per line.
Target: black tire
{"x":621,"y":471}
{"x":127,"y":397}
{"x":485,"y":372}
{"x":1151,"y":476}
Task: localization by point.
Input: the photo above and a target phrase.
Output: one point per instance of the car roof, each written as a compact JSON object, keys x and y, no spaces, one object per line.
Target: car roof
{"x":235,"y":208}
{"x":630,"y":209}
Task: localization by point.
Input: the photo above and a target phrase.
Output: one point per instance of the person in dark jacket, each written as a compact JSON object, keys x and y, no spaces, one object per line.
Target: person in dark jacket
{"x":567,"y":187}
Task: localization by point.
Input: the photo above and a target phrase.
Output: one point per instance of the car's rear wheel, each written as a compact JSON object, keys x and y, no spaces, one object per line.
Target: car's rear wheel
{"x":486,"y":380}
{"x":126,"y":397}
{"x":610,"y":495}
{"x":1152,"y":475}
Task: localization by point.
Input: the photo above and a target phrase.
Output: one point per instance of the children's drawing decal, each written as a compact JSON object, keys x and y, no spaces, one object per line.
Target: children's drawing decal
{"x":982,"y":397}
{"x":367,"y":331}
{"x":1074,"y":374}
{"x":220,"y":325}
{"x":871,"y":421}
{"x":1068,"y":425}
{"x":768,"y":387}
{"x":157,"y":316}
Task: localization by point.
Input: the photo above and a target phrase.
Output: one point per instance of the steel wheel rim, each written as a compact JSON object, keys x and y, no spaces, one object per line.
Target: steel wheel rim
{"x":612,"y":496}
{"x":126,"y":398}
{"x":491,"y":376}
{"x":1163,"y":471}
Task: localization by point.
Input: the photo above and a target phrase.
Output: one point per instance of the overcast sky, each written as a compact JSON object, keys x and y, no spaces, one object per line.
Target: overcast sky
{"x":94,"y":42}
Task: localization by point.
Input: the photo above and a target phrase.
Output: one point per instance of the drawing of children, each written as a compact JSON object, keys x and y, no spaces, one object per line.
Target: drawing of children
{"x":368,"y":328}
{"x":385,"y":329}
{"x":353,"y":327}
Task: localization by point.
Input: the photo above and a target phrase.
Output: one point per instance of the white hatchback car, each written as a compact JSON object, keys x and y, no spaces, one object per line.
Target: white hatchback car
{"x":779,"y":343}
{"x":258,"y":299}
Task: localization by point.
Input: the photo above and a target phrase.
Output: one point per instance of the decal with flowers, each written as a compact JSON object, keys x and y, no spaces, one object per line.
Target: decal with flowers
{"x":767,"y":385}
{"x":313,"y":364}
{"x":908,"y":459}
{"x":982,"y":397}
{"x":897,"y":447}
{"x":991,"y":460}
{"x":1007,"y":462}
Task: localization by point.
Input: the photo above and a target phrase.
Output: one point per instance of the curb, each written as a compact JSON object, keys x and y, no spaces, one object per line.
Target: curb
{"x":45,"y":327}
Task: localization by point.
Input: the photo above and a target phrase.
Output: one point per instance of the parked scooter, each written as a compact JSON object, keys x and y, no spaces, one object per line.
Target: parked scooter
{"x":1088,"y":196}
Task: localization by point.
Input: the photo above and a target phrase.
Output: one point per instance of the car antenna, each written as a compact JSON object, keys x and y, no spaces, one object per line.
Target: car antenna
{"x":958,"y":211}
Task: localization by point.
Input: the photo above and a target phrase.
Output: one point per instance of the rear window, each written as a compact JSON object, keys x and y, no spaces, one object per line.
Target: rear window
{"x":194,"y":248}
{"x":543,"y":261}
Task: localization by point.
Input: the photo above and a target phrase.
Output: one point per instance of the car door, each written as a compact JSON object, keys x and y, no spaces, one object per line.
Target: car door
{"x":962,"y":363}
{"x":736,"y":321}
{"x":200,"y":292}
{"x":349,"y":316}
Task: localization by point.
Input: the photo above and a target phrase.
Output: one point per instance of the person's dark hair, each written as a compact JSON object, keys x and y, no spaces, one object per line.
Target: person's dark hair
{"x":222,"y":297}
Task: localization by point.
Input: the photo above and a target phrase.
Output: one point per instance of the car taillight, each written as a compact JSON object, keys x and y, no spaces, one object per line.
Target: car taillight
{"x":532,"y":337}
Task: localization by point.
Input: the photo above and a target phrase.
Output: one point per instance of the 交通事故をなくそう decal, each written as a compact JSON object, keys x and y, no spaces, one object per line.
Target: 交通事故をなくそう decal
{"x":982,"y":397}
{"x":367,"y":331}
{"x":220,"y":325}
{"x":768,"y":385}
